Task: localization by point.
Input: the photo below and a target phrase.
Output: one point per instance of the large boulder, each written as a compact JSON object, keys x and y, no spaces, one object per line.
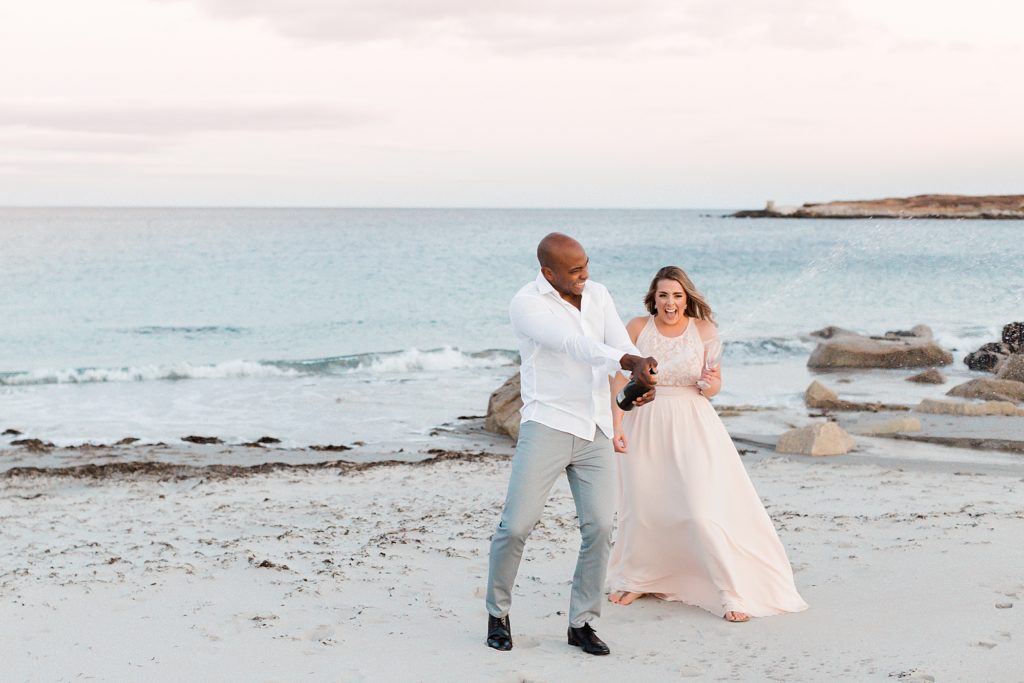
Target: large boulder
{"x":1012,"y":368}
{"x":939,"y":407}
{"x":987,"y":356}
{"x":826,"y":438}
{"x":990,"y":390}
{"x":911,"y":349}
{"x":993,"y":355}
{"x":503,"y":408}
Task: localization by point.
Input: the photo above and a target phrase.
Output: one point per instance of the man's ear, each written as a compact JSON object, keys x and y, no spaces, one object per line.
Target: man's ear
{"x":548,"y":274}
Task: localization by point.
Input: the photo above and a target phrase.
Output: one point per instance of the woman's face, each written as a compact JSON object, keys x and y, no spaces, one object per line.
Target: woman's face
{"x":670,"y":301}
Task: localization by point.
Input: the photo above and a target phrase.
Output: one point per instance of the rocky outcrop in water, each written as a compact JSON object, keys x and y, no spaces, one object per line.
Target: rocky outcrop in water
{"x":913,"y":348}
{"x":920,"y":206}
{"x":990,"y":390}
{"x":993,"y":356}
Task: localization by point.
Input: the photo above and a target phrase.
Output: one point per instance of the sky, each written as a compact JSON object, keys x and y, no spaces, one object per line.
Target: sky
{"x":526,"y":103}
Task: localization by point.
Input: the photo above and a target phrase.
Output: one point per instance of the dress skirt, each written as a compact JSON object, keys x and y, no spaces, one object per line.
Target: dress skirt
{"x":691,"y":527}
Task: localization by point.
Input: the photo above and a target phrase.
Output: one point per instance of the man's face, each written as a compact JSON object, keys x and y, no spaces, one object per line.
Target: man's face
{"x":568,"y":273}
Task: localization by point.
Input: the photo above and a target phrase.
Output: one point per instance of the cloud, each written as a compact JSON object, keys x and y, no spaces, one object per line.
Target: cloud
{"x":565,"y":25}
{"x":170,"y":119}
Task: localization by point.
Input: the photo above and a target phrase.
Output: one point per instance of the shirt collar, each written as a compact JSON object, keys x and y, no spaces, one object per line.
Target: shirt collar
{"x":543,"y":286}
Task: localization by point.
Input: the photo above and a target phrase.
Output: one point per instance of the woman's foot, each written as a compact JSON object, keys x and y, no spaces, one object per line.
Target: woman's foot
{"x":736,"y":617}
{"x":624,"y":597}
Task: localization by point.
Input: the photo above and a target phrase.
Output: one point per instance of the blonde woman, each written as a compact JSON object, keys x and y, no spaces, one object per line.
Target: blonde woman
{"x":691,"y":526}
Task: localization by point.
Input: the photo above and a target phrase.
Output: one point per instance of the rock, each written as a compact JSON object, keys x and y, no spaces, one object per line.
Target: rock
{"x":921,"y":331}
{"x":898,"y":426}
{"x":990,"y":390}
{"x":832,"y":331}
{"x":333,"y":448}
{"x":820,"y":396}
{"x":940,"y":407}
{"x":11,"y":432}
{"x":127,"y":441}
{"x":201,"y":439}
{"x":826,"y":438}
{"x":850,"y":350}
{"x":987,"y":356}
{"x":33,"y":444}
{"x":929,"y":376}
{"x":1012,"y":368}
{"x":503,"y":408}
{"x":1013,"y":337}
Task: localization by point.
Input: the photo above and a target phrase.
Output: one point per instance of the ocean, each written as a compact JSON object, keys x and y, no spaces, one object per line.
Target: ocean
{"x":336,"y":326}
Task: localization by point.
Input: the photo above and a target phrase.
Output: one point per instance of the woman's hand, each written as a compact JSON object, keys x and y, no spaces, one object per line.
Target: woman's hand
{"x":619,"y":440}
{"x":713,"y":377}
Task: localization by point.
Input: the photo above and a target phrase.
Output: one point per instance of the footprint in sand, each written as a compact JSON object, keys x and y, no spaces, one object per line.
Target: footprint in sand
{"x":690,"y":672}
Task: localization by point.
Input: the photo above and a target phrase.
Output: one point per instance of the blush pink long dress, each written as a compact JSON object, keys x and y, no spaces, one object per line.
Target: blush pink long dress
{"x":691,"y":526}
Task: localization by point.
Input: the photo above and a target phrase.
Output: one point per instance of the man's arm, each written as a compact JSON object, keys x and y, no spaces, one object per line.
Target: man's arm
{"x":532,"y":318}
{"x":615,"y":335}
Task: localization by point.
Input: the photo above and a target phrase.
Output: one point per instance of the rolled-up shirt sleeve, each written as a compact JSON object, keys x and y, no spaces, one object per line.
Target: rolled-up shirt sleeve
{"x":533,"y":319}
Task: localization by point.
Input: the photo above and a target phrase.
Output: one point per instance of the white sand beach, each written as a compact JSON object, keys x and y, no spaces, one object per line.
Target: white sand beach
{"x":912,"y":572}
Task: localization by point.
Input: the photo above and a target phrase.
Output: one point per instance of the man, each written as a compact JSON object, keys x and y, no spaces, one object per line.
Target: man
{"x":571,"y":340}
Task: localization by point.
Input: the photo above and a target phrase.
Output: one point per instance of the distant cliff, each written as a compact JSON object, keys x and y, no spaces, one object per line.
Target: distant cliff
{"x":921,"y":206}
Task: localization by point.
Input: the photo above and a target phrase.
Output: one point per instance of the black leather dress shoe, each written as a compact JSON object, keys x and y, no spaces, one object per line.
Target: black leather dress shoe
{"x":585,"y":637}
{"x":499,"y":633}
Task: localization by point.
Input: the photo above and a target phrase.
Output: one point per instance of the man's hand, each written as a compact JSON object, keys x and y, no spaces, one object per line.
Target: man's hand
{"x":644,"y":369}
{"x":644,"y":399}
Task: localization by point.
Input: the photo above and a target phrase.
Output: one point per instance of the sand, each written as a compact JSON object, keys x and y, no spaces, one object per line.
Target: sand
{"x":910,"y":563}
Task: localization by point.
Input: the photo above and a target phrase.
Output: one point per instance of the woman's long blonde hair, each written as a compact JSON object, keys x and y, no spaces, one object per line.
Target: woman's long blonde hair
{"x":696,"y":306}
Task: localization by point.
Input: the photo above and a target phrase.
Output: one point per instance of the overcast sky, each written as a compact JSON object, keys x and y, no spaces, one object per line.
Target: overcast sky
{"x":580,"y":103}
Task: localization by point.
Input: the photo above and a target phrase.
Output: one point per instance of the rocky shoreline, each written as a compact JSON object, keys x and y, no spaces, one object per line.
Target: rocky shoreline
{"x":843,"y":351}
{"x":940,"y":206}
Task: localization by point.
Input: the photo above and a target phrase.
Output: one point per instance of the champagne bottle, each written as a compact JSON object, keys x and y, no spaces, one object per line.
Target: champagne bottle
{"x":630,"y":393}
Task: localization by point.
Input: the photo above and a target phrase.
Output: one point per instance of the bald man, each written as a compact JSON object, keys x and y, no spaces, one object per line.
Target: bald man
{"x":571,"y":340}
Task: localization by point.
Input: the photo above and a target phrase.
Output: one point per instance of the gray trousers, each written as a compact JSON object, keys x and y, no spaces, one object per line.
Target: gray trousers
{"x":542,"y":454}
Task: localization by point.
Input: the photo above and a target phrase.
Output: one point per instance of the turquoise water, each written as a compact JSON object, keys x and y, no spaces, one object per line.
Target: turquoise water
{"x":154,"y":321}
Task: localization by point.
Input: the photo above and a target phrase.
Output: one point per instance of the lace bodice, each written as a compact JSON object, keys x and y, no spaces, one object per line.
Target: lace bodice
{"x":680,"y":359}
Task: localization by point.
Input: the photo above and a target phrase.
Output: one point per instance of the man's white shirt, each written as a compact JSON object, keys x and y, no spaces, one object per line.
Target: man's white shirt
{"x":568,"y":356}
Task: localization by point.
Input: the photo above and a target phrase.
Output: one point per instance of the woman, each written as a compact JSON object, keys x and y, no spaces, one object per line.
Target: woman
{"x":691,"y":526}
